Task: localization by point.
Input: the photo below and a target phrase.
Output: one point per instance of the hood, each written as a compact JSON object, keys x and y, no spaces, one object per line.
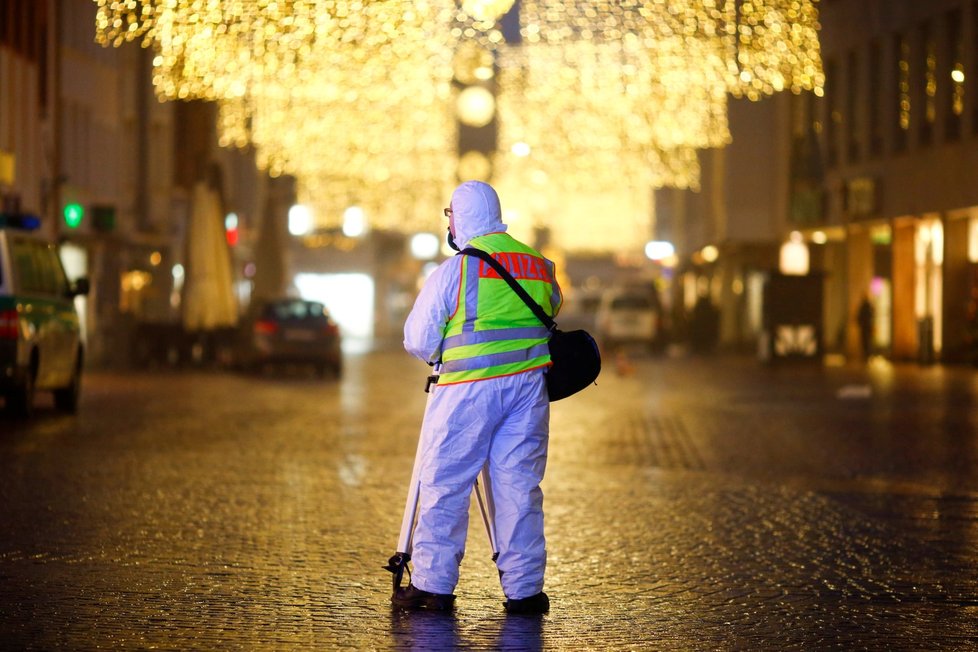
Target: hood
{"x":475,"y":207}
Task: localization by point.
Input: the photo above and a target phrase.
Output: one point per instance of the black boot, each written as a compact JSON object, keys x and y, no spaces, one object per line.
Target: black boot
{"x":535,"y":604}
{"x":411,"y":597}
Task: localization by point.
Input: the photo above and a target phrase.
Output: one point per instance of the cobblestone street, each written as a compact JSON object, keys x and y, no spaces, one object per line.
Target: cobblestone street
{"x":692,"y":504}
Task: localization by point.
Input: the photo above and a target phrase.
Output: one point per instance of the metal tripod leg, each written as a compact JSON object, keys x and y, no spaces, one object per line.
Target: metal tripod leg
{"x":399,"y":561}
{"x":483,"y":495}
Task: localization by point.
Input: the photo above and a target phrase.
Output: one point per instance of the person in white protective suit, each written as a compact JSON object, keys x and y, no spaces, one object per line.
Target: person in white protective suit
{"x":488,"y":408}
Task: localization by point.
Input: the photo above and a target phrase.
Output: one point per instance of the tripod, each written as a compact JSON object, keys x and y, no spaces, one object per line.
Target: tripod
{"x":398,"y":563}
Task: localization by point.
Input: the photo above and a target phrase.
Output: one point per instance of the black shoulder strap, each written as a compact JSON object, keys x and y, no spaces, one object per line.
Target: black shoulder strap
{"x":517,"y":288}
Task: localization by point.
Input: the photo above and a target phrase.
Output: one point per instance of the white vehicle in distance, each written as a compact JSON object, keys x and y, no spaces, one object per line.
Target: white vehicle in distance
{"x":628,"y":317}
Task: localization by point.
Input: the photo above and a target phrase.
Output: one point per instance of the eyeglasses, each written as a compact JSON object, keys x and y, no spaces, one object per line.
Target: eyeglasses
{"x":448,"y":212}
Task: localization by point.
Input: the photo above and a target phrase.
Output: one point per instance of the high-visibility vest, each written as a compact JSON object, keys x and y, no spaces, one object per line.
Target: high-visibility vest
{"x":493,"y":333}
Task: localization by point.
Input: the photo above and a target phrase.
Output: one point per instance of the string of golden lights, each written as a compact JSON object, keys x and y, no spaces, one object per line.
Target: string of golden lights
{"x":638,"y":86}
{"x":355,"y":97}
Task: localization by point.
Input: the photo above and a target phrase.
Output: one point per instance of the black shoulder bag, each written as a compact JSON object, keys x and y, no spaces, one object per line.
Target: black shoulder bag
{"x":575,"y":356}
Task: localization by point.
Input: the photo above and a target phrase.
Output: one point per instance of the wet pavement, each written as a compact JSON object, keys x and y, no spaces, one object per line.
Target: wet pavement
{"x":692,"y":504}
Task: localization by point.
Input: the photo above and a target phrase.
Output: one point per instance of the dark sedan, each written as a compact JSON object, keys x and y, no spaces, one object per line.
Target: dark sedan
{"x":290,"y":332}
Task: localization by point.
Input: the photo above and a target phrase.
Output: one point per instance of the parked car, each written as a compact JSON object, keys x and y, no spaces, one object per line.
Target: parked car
{"x":290,"y":331}
{"x":40,"y":334}
{"x":630,"y":316}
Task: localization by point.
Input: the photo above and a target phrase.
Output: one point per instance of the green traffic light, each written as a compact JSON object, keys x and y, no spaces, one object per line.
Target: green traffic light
{"x":73,"y":215}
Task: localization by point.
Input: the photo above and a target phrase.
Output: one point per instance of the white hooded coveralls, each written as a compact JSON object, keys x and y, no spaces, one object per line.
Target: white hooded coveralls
{"x":501,"y":422}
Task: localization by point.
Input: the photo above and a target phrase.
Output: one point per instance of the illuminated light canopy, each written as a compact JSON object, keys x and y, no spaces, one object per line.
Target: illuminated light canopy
{"x":355,"y":98}
{"x":339,"y":93}
{"x":774,"y":46}
{"x":654,"y":75}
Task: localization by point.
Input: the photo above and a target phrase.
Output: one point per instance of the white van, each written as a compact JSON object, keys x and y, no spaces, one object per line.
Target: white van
{"x":628,"y":316}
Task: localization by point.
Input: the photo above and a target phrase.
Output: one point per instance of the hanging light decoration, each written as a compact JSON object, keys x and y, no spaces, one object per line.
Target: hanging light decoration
{"x":354,"y":97}
{"x":774,"y":47}
{"x":486,"y":10}
{"x":324,"y":90}
{"x":636,"y":95}
{"x":638,"y":86}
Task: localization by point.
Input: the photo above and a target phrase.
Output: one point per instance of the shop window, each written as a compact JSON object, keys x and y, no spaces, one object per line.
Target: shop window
{"x":928,"y":281}
{"x":973,"y":240}
{"x":133,"y":286}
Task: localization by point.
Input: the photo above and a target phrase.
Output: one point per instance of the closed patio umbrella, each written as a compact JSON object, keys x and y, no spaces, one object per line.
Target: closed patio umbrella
{"x":208,"y":301}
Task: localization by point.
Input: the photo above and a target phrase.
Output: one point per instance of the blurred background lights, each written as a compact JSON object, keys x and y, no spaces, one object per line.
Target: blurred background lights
{"x":472,"y":62}
{"x":300,"y":220}
{"x":476,"y":106}
{"x":474,"y":165}
{"x":349,"y":299}
{"x":710,"y":253}
{"x":354,"y":222}
{"x":231,"y":234}
{"x":793,"y":258}
{"x":425,"y":246}
{"x":639,"y":86}
{"x":659,"y":250}
{"x":486,"y":10}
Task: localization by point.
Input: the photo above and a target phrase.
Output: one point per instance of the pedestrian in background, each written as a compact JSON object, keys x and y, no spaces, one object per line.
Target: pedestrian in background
{"x":489,"y":407}
{"x":704,"y":326}
{"x":865,"y":318}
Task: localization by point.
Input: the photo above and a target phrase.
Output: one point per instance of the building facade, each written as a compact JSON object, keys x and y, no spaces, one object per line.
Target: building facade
{"x":27,"y":167}
{"x":86,"y":145}
{"x":898,"y":130}
{"x":877,"y":177}
{"x":728,"y":233}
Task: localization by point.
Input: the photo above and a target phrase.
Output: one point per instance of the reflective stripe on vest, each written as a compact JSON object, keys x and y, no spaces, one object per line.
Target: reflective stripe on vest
{"x":508,"y":339}
{"x":527,"y":333}
{"x":496,"y":359}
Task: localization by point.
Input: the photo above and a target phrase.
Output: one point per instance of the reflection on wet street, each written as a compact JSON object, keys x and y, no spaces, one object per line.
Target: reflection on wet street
{"x":691,"y":504}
